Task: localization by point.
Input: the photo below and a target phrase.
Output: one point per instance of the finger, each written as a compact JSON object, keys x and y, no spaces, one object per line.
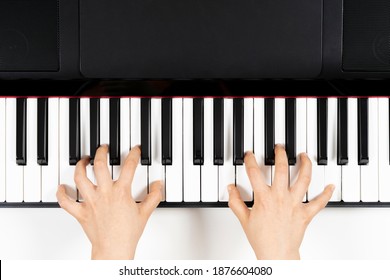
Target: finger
{"x":281,"y":169}
{"x":254,"y":173}
{"x":68,"y":204}
{"x":84,"y":185}
{"x":100,"y":167}
{"x":300,"y":187}
{"x":129,"y":167}
{"x":237,"y":205}
{"x":152,"y":200}
{"x":320,"y":201}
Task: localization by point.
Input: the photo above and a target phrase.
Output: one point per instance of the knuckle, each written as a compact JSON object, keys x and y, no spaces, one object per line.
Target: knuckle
{"x":281,"y":165}
{"x":100,"y":163}
{"x":306,"y":179}
{"x":252,"y":171}
{"x":77,"y":177}
{"x":132,"y":162}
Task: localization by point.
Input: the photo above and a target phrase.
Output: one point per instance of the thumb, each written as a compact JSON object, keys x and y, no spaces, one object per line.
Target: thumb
{"x":320,"y":201}
{"x":237,"y":205}
{"x":152,"y":200}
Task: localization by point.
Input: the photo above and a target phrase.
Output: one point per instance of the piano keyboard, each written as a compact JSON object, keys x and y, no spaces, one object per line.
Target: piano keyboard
{"x":195,"y":145}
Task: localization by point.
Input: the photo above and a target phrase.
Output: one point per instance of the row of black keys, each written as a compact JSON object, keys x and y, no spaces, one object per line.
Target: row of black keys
{"x":198,"y":128}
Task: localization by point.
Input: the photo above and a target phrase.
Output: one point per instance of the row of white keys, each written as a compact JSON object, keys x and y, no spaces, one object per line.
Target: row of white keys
{"x":50,"y":172}
{"x":383,"y":144}
{"x":226,"y":172}
{"x":259,"y":141}
{"x":156,"y":169}
{"x":317,"y":177}
{"x":13,"y":172}
{"x":191,"y":172}
{"x":300,"y":139}
{"x":369,"y":173}
{"x":66,"y":170}
{"x":139,"y":186}
{"x":242,"y":179}
{"x":350,"y":177}
{"x":173,"y":173}
{"x":85,"y":138}
{"x":280,"y":126}
{"x":2,"y":149}
{"x":32,"y":170}
{"x":332,"y":173}
{"x":105,"y":126}
{"x":124,"y":136}
{"x":209,"y":178}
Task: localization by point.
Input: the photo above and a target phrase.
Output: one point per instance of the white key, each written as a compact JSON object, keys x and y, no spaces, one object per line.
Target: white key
{"x":156,"y":170}
{"x":139,"y":187}
{"x":226,"y":171}
{"x":369,"y":172}
{"x":332,"y":170}
{"x":191,"y":172}
{"x":2,"y":149}
{"x":105,"y":126}
{"x":174,"y":172}
{"x":124,"y":136}
{"x":300,"y":138}
{"x":280,"y":126}
{"x":242,"y":178}
{"x":50,"y":172}
{"x":66,"y":170}
{"x":85,"y":137}
{"x":14,"y":172}
{"x":383,"y":144}
{"x":350,"y":183}
{"x":258,"y":118}
{"x":209,"y":170}
{"x":317,"y":177}
{"x":32,"y":170}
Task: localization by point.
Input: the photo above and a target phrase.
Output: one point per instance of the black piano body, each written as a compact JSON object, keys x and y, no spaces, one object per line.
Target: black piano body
{"x":175,"y":39}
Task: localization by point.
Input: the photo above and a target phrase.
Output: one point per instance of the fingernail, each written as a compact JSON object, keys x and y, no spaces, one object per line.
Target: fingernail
{"x":280,"y":146}
{"x":332,"y":187}
{"x":230,"y":188}
{"x":248,"y":153}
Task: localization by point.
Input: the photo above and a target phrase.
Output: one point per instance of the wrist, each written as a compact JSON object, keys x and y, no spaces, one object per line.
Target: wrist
{"x":104,"y":253}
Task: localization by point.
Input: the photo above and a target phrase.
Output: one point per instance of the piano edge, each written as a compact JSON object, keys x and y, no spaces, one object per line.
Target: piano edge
{"x":197,"y":204}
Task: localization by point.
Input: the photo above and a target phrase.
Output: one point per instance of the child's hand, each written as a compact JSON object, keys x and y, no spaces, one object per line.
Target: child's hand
{"x":276,"y":224}
{"x":110,"y":217}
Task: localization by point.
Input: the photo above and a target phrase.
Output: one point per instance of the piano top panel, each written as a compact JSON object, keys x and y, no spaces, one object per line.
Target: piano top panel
{"x":200,"y":39}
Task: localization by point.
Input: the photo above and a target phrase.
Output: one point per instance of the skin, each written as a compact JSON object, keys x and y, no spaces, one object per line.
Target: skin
{"x":276,"y":224}
{"x":109,"y":216}
{"x":114,"y":222}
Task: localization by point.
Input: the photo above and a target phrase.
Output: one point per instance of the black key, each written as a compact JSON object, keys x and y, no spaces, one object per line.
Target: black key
{"x":146,"y":158}
{"x":291,"y":130}
{"x":21,"y":131}
{"x":322,"y":131}
{"x":115,"y":124}
{"x":94,"y":126}
{"x":198,"y":128}
{"x":269,"y":127}
{"x":166,"y":126}
{"x":342,"y":131}
{"x":363,"y":131}
{"x":43,"y":111}
{"x":74,"y":130}
{"x":218,"y":131}
{"x":238,"y":131}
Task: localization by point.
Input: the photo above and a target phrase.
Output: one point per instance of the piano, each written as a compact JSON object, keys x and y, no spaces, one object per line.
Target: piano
{"x":195,"y":144}
{"x":196,"y":84}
